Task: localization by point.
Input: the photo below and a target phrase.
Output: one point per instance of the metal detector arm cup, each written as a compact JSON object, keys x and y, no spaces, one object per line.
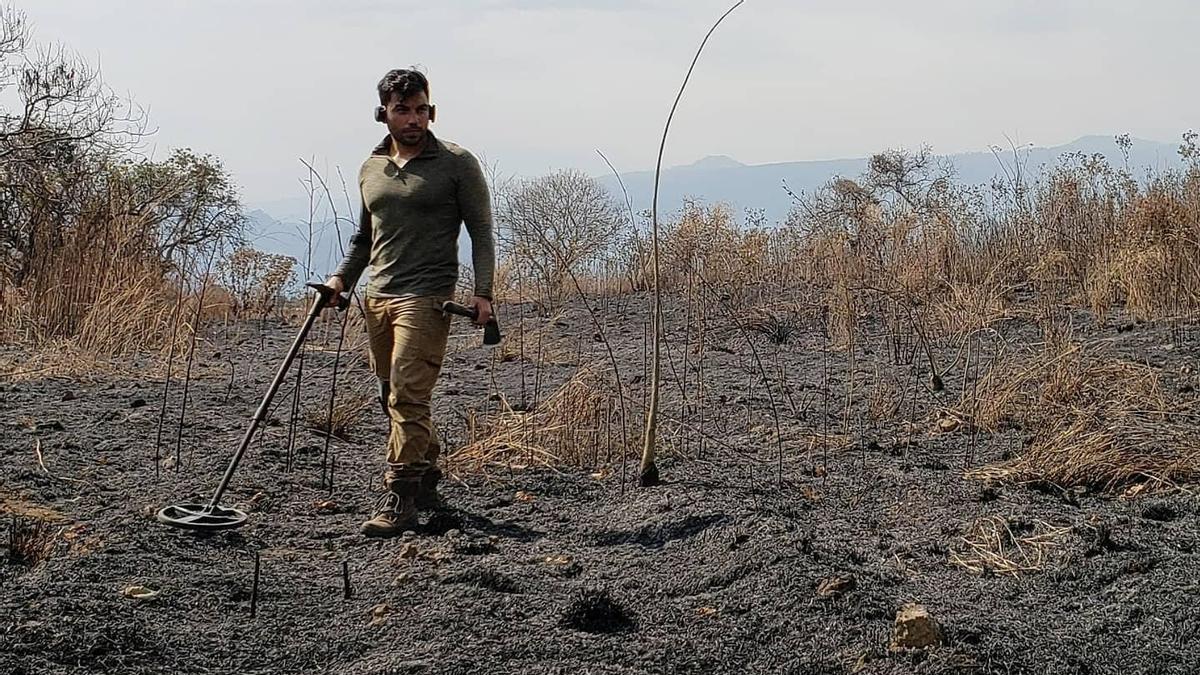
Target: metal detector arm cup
{"x":330,"y":297}
{"x":491,"y":329}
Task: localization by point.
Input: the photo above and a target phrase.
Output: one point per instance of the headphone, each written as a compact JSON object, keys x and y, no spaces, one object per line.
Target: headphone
{"x":381,"y":113}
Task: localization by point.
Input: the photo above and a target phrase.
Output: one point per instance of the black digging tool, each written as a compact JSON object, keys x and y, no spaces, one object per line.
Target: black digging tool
{"x":491,"y":330}
{"x":213,"y":516}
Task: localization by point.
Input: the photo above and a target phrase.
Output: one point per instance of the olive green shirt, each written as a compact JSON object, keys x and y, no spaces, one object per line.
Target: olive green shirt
{"x":411,"y":218}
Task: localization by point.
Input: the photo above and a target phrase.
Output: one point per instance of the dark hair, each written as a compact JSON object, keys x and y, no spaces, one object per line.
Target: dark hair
{"x":403,"y":82}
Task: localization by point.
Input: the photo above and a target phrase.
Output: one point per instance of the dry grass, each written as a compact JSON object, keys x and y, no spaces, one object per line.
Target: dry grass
{"x":31,"y":540}
{"x":1095,"y":421}
{"x":347,"y":411}
{"x":568,"y":428}
{"x":885,"y":397}
{"x":778,"y":326}
{"x":992,"y":546}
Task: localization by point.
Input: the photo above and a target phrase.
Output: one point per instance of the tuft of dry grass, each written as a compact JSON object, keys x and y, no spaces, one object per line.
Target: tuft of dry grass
{"x":347,"y":410}
{"x":31,"y":540}
{"x":568,"y":428}
{"x":778,"y":327}
{"x":1095,"y":421}
{"x":996,"y":545}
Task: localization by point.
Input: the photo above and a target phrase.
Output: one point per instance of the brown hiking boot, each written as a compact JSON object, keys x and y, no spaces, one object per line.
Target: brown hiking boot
{"x":427,"y":497}
{"x":396,"y":510}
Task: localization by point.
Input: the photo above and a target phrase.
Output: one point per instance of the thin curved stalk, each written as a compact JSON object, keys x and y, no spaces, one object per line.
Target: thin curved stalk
{"x":648,"y":473}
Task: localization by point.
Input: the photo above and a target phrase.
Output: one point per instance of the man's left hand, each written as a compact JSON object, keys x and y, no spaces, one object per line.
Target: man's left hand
{"x":483,"y":310}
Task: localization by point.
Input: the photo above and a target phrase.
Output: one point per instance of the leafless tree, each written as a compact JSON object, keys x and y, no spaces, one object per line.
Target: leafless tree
{"x":566,"y":208}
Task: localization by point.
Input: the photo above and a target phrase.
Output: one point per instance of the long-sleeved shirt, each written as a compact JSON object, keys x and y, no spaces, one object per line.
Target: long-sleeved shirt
{"x":410,"y":221}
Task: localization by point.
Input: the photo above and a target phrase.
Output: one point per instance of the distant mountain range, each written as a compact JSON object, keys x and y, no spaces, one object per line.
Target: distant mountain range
{"x":281,"y":226}
{"x":721,"y":178}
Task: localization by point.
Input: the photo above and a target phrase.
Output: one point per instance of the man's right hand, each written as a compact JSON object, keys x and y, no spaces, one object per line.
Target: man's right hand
{"x":338,"y":286}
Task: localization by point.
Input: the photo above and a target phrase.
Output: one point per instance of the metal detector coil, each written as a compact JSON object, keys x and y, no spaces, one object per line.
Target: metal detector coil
{"x":201,"y":517}
{"x":212,"y":516}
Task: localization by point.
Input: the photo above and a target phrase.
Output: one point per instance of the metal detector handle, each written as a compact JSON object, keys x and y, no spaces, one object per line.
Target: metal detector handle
{"x":327,"y":296}
{"x":491,"y":329}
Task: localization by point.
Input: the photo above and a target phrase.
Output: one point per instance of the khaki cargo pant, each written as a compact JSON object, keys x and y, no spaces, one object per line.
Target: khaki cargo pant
{"x":408,"y":342}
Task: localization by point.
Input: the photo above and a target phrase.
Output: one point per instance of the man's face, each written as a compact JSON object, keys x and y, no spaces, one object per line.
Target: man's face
{"x":408,"y":119}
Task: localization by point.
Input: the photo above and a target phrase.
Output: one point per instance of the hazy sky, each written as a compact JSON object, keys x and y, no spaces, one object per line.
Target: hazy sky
{"x":535,"y":85}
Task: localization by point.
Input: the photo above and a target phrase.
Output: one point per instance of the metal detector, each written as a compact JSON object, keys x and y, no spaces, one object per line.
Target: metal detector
{"x":212,"y":516}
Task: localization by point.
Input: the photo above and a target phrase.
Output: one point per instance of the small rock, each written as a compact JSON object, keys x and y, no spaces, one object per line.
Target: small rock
{"x":914,"y":629}
{"x":379,"y":613}
{"x":137,"y":403}
{"x":325,"y":506}
{"x":68,"y":395}
{"x":50,"y":425}
{"x":835,"y":587}
{"x":705,"y":611}
{"x":947,"y":424}
{"x":453,"y":534}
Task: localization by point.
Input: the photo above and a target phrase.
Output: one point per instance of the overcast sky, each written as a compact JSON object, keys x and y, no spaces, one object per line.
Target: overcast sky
{"x":535,"y":85}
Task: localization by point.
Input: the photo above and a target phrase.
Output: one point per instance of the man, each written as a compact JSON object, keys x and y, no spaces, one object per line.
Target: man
{"x":417,"y":191}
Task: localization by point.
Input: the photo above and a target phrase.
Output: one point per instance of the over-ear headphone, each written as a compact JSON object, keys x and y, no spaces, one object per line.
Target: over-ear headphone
{"x":381,"y":113}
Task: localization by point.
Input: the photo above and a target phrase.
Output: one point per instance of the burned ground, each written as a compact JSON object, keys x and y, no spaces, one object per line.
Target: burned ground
{"x":724,"y":568}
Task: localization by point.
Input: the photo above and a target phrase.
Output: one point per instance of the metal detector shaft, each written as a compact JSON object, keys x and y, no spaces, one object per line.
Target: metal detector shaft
{"x":325,"y":294}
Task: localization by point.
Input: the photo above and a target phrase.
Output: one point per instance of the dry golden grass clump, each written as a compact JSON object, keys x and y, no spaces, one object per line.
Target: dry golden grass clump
{"x":578,"y":424}
{"x":1095,"y":421}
